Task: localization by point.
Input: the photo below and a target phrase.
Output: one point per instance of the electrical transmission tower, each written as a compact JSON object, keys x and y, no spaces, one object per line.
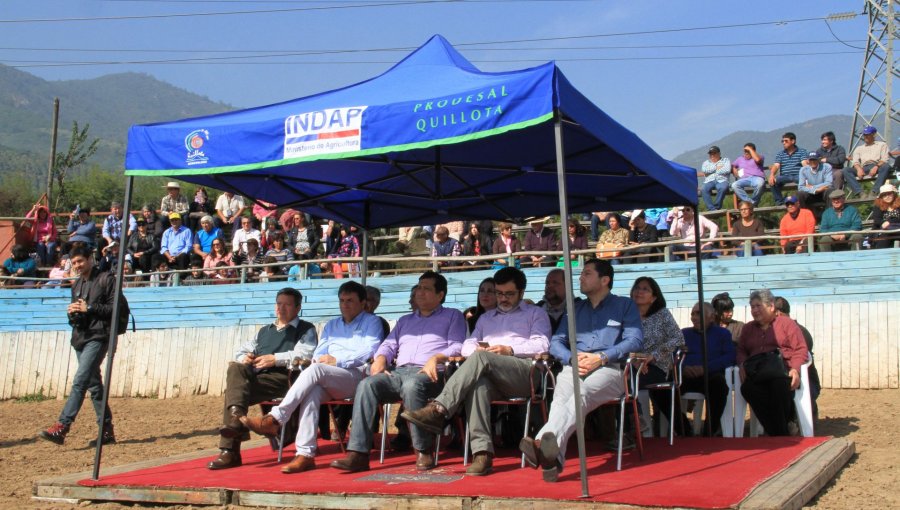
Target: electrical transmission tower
{"x":875,"y":96}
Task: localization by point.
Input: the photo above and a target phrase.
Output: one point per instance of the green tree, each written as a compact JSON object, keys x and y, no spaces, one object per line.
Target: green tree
{"x":78,"y":152}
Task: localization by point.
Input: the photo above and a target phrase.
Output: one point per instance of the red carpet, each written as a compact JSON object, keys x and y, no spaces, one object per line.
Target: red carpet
{"x":699,"y":473}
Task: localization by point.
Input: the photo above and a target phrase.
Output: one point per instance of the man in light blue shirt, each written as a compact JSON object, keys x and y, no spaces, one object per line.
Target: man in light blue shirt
{"x":609,"y":328}
{"x":176,"y":243}
{"x":715,"y":171}
{"x":816,"y":181}
{"x":338,"y":365}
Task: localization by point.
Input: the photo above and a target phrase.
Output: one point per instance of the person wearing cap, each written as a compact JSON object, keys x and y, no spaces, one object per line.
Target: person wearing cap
{"x":229,"y":209}
{"x":143,"y":247}
{"x":749,"y":171}
{"x":839,"y":218}
{"x":109,"y":257}
{"x":786,"y":168}
{"x":82,"y":228}
{"x":112,"y":225}
{"x":886,"y":215}
{"x":816,"y":181}
{"x":795,"y":222}
{"x":716,"y":170}
{"x":173,"y":202}
{"x":176,"y":243}
{"x":835,"y":155}
{"x":539,"y":238}
{"x":868,"y":159}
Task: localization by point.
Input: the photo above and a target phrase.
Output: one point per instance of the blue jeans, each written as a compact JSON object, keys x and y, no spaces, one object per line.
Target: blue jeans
{"x":780,"y":181}
{"x":87,"y":378}
{"x":47,"y":253}
{"x":755,"y":250}
{"x":880,"y":177}
{"x":758,"y":184}
{"x":721,"y":188}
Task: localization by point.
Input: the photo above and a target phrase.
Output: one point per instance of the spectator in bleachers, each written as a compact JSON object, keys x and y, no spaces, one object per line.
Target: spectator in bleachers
{"x":796,"y":221}
{"x":129,"y":280}
{"x":662,"y":337}
{"x":197,"y":275}
{"x":455,"y":229}
{"x":43,"y":234}
{"x":715,"y":171}
{"x":160,"y":277}
{"x":218,"y":252}
{"x":598,"y":218}
{"x":476,"y":243}
{"x":577,"y":239}
{"x":267,"y":233}
{"x":868,"y":159}
{"x":444,"y":245}
{"x":142,"y":247}
{"x":642,"y":233}
{"x":723,"y":305}
{"x":154,"y":224}
{"x":21,"y":265}
{"x":303,"y":237}
{"x":837,"y":218}
{"x":251,"y":257}
{"x":58,"y":275}
{"x":270,"y":273}
{"x":176,"y":244}
{"x":749,"y":170}
{"x":683,"y":228}
{"x":279,"y":252}
{"x":539,"y":238}
{"x":204,"y":237}
{"x":173,"y":202}
{"x":347,"y":247}
{"x":109,"y":257}
{"x":112,"y":225}
{"x":770,"y":352}
{"x":613,"y":239}
{"x":786,"y":168}
{"x":242,"y":235}
{"x":505,"y":244}
{"x":230,"y":209}
{"x":486,"y":300}
{"x":373,"y":299}
{"x":406,"y":235}
{"x":836,"y":156}
{"x":783,"y":307}
{"x":886,"y":215}
{"x":200,"y":207}
{"x":815,"y":183}
{"x":225,"y":274}
{"x":747,"y":226}
{"x":720,"y":355}
{"x":82,"y":228}
{"x":262,"y":211}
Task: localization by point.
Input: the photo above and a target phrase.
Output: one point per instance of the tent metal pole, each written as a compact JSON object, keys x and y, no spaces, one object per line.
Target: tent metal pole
{"x":570,"y":302}
{"x":364,"y":269}
{"x":704,"y":350}
{"x":114,"y":321}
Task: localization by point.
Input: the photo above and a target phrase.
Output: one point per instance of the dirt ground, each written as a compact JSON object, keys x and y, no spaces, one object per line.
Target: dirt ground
{"x":149,"y":428}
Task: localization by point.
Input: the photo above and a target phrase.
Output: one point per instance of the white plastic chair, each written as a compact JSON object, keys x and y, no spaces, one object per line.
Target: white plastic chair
{"x":802,"y":402}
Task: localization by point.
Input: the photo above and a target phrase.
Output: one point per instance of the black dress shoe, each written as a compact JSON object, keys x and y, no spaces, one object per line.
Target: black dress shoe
{"x":226,"y":459}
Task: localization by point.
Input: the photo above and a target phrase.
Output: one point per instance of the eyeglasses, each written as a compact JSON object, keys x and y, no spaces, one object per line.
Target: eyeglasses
{"x":508,"y":295}
{"x":791,"y":204}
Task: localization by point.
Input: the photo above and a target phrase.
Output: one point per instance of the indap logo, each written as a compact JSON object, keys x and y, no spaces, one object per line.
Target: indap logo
{"x":194,"y":143}
{"x":323,"y":132}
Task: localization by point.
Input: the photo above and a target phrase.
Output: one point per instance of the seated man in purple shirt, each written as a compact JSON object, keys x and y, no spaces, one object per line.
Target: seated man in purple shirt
{"x":419,"y":343}
{"x":499,"y":353}
{"x":749,"y":171}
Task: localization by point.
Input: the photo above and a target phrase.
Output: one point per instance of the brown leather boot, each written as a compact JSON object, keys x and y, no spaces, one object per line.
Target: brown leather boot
{"x":425,"y":461}
{"x":482,"y":464}
{"x":266,"y":425}
{"x":429,"y":418}
{"x":234,"y":428}
{"x":300,"y":464}
{"x":227,"y":458}
{"x":354,"y":462}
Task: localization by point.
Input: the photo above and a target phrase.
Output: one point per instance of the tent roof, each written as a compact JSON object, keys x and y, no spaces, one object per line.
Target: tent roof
{"x":431,"y":139}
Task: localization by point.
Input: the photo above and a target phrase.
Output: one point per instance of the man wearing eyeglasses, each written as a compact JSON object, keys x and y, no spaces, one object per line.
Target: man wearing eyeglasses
{"x":786,"y":168}
{"x":499,"y":353}
{"x":795,"y":222}
{"x":749,"y":170}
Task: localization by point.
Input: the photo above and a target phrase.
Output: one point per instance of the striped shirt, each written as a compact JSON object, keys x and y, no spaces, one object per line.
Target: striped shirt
{"x":791,"y":163}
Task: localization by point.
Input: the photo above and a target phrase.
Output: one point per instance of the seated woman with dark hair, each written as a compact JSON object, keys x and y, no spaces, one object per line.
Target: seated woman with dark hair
{"x":303,"y":238}
{"x":476,"y":243}
{"x":505,"y":244}
{"x":577,"y":239}
{"x":747,"y":226}
{"x":252,"y":257}
{"x":279,"y":252}
{"x":487,"y":300}
{"x":218,"y":253}
{"x":662,"y":337}
{"x":770,"y":352}
{"x":613,"y":239}
{"x":21,"y":265}
{"x":724,"y":308}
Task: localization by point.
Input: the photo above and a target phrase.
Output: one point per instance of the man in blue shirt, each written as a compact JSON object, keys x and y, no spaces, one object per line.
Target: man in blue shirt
{"x":816,"y":181}
{"x":338,"y":365}
{"x":176,"y":243}
{"x":716,"y":170}
{"x":839,"y":218}
{"x":204,"y":237}
{"x":609,"y":328}
{"x":720,"y":355}
{"x":786,"y":168}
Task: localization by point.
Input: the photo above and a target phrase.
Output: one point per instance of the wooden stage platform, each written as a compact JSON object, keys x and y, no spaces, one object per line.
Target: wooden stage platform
{"x":716,"y":462}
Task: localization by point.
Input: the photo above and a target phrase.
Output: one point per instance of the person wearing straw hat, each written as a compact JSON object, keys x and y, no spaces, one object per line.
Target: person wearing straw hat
{"x":539,"y":238}
{"x":173,"y":202}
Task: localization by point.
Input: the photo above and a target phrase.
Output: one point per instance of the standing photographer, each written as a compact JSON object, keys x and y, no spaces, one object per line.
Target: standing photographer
{"x":90,"y":315}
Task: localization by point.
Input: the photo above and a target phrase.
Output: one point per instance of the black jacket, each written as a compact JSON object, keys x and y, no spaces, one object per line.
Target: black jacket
{"x":98,"y":291}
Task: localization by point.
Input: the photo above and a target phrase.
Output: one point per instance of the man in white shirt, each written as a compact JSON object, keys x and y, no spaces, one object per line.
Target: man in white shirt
{"x":246,"y":232}
{"x":229,"y":208}
{"x":869,"y":159}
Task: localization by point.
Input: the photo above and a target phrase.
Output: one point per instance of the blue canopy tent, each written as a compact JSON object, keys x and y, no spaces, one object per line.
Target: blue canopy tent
{"x":431,"y":139}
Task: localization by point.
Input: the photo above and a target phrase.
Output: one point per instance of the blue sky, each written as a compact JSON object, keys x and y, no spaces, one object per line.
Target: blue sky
{"x":642,"y":79}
